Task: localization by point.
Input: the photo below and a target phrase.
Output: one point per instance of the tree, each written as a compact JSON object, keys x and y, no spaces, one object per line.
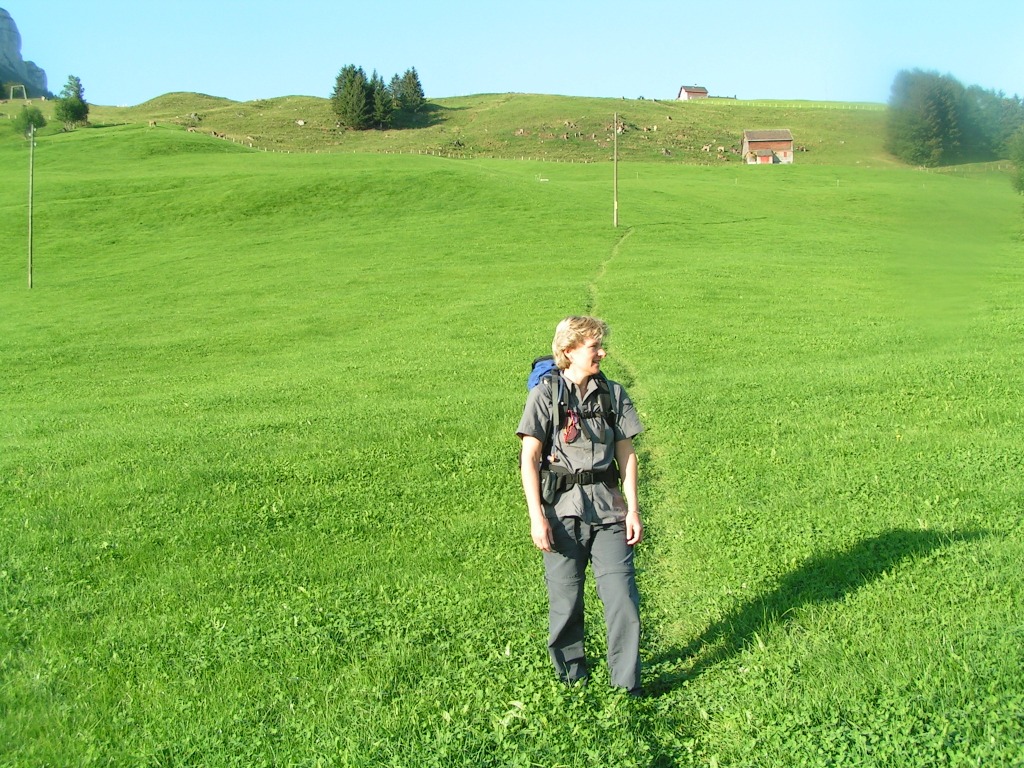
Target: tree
{"x":407,"y":96}
{"x":72,"y":109}
{"x":395,"y":89}
{"x":1010,"y":123}
{"x":980,"y":114}
{"x":990,"y":122}
{"x":411,"y":97}
{"x":1016,"y":153}
{"x":351,"y":99}
{"x":73,"y":89}
{"x":28,"y":117}
{"x":934,"y":120}
{"x":382,"y":104}
{"x":362,"y":103}
{"x":925,"y":111}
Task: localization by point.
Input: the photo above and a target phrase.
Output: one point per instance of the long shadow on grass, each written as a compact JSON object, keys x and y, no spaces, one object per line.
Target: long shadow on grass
{"x":823,"y":579}
{"x":427,"y":116}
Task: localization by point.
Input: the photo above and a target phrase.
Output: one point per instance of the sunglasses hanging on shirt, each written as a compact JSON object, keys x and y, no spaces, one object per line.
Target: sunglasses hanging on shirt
{"x":572,"y":427}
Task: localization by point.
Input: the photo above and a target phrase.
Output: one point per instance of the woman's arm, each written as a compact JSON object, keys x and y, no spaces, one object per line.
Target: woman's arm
{"x":625,"y":456}
{"x":529,"y":465}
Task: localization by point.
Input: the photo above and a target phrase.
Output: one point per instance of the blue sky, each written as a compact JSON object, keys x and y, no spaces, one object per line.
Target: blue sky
{"x":127,"y":52}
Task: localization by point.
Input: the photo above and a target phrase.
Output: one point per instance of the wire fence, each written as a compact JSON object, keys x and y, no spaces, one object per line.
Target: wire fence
{"x":974,"y":169}
{"x":795,"y":104}
{"x":423,"y":152}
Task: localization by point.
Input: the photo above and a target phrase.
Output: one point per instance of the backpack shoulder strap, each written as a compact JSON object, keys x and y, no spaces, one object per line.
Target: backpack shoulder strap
{"x":604,"y":397}
{"x":558,"y":404}
{"x":553,"y":381}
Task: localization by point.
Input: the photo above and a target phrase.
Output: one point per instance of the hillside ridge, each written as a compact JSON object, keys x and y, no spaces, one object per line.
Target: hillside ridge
{"x":541,"y":127}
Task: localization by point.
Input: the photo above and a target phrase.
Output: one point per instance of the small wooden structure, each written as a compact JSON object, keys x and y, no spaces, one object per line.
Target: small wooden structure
{"x":768,"y":147}
{"x":690,"y":92}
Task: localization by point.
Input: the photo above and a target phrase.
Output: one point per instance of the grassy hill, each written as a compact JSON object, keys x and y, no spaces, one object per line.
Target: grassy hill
{"x":513,"y":125}
{"x":258,"y":485}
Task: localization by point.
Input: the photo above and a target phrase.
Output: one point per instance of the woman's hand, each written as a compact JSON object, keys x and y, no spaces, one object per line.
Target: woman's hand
{"x":634,"y":528}
{"x":540,"y":530}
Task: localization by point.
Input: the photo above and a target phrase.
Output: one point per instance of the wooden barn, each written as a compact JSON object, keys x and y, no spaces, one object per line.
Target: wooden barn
{"x":768,"y":147}
{"x":690,"y":92}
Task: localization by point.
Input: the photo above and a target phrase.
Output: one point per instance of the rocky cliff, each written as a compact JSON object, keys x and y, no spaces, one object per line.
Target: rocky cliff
{"x":14,"y":69}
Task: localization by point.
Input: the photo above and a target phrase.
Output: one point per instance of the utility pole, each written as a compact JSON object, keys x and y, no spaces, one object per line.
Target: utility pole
{"x":31,"y":177}
{"x":615,"y":171}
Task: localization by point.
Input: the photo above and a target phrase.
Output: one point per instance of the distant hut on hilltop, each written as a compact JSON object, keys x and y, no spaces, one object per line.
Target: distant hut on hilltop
{"x":690,"y":92}
{"x":768,"y":147}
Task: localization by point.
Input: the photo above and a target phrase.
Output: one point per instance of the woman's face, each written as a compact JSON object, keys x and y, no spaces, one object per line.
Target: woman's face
{"x":586,"y":358}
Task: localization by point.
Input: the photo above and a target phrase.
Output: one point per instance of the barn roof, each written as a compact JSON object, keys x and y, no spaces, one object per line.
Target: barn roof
{"x":693,"y":89}
{"x":782,"y":134}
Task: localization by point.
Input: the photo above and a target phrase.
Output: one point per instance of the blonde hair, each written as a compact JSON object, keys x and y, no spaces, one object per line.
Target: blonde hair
{"x":572,"y":332}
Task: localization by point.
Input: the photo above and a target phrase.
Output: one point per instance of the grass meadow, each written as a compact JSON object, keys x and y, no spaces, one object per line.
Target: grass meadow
{"x":527,"y":126}
{"x":258,"y":481}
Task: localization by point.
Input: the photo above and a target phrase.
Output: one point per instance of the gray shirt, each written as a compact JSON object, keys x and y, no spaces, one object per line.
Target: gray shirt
{"x":593,"y":449}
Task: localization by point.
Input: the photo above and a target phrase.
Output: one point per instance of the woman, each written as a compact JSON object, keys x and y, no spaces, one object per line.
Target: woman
{"x":582,"y":515}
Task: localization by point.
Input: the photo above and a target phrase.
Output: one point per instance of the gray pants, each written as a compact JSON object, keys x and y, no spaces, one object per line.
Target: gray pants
{"x":604,"y":546}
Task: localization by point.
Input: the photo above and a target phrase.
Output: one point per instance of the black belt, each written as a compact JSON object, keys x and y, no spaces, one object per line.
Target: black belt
{"x":566,"y":480}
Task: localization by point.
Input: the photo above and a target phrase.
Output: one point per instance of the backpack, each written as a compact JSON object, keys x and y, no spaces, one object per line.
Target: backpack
{"x":544,"y":370}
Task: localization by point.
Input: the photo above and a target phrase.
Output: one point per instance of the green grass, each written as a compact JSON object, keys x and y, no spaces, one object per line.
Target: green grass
{"x":837,"y":433}
{"x":257,"y":471}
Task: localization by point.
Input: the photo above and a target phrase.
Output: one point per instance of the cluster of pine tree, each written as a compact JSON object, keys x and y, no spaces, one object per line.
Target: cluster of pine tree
{"x":361,"y":103}
{"x":935,"y":120}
